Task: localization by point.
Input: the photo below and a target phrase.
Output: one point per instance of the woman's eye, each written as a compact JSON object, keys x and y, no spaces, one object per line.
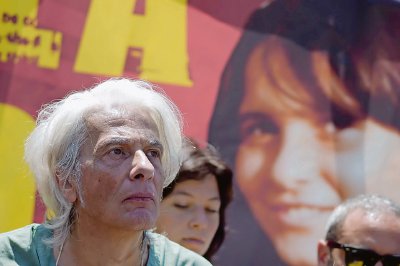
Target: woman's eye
{"x":154,"y":153}
{"x":255,"y":124}
{"x":212,"y":210}
{"x":117,"y":153}
{"x":181,"y":206}
{"x":342,"y":119}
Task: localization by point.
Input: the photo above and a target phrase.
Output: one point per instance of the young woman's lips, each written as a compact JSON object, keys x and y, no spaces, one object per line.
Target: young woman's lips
{"x":298,"y":215}
{"x":193,"y":241}
{"x":284,"y":207}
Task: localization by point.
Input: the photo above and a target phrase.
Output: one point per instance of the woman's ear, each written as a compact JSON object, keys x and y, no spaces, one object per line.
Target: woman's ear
{"x":323,"y":253}
{"x":67,"y":188}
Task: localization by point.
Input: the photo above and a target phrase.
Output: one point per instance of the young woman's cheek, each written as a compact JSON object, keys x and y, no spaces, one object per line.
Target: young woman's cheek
{"x":251,"y":168}
{"x":349,"y":165}
{"x":382,"y":160}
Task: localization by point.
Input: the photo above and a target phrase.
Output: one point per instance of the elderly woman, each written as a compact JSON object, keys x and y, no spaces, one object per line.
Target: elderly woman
{"x":193,"y":207}
{"x":101,"y":158}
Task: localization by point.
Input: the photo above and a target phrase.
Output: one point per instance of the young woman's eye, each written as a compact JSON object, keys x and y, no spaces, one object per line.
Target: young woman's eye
{"x":181,"y":206}
{"x":212,"y":210}
{"x":342,"y":119}
{"x":256,"y":124}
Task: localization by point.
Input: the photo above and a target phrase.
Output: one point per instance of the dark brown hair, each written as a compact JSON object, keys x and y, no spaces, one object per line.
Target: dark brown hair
{"x":197,"y":164}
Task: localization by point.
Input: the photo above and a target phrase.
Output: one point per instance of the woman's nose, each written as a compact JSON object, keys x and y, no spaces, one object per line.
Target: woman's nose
{"x":198,"y":220}
{"x":299,"y":157}
{"x":142,"y":168}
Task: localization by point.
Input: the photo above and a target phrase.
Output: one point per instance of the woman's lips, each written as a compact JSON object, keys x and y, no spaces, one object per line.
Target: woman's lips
{"x":194,"y":244}
{"x":140,"y":197}
{"x":298,"y":215}
{"x":193,"y":241}
{"x":283,"y":207}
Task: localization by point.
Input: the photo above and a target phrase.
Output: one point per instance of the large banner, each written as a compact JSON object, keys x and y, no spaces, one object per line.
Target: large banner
{"x":301,"y":97}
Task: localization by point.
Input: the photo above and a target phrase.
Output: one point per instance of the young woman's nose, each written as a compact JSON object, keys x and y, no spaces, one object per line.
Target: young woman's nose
{"x":298,"y":159}
{"x":199,"y":219}
{"x":142,"y":168}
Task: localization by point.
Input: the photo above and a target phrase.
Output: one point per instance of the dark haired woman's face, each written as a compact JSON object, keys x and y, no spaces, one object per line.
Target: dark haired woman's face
{"x":190,"y":214}
{"x":293,"y":166}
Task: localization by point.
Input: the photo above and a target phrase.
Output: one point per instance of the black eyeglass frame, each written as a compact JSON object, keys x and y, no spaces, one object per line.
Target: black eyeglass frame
{"x":370,"y":257}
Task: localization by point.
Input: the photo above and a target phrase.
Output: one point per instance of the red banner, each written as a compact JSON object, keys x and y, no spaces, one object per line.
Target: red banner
{"x":300,"y":96}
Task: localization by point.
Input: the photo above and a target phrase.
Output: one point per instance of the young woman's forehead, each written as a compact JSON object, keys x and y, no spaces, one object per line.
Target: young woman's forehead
{"x":284,"y":75}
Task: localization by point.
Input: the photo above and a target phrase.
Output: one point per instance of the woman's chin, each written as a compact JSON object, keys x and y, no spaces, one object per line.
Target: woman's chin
{"x":297,"y":249}
{"x":296,"y":243}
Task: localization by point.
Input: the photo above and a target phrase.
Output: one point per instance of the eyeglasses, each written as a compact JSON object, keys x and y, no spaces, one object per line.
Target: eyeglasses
{"x":364,"y":257}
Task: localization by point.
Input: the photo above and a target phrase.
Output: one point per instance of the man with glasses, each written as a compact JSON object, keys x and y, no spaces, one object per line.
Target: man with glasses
{"x":362,"y":231}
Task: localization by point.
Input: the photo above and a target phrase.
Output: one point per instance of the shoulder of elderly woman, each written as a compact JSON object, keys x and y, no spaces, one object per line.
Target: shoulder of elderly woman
{"x":25,"y":246}
{"x":166,"y":252}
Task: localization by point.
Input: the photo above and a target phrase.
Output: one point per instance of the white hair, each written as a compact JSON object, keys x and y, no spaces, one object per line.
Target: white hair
{"x":52,"y":150}
{"x":370,"y":204}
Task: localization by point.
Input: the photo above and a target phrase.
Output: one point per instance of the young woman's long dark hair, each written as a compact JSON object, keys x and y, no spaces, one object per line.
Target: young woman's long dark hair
{"x":346,"y":31}
{"x":199,"y":162}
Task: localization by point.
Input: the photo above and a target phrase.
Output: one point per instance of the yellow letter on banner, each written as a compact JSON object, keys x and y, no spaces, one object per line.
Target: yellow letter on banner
{"x":21,"y":39}
{"x":112,"y":28}
{"x":17,"y":189}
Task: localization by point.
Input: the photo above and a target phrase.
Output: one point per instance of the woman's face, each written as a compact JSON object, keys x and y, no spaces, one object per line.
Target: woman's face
{"x":294,"y":167}
{"x":121,"y":171}
{"x":190,"y":214}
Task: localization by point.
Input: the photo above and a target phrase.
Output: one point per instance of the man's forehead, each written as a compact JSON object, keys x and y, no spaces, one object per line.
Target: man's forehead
{"x":379,"y":231}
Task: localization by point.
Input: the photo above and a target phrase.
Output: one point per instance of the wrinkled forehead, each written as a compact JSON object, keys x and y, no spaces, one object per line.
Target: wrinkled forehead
{"x":99,"y":118}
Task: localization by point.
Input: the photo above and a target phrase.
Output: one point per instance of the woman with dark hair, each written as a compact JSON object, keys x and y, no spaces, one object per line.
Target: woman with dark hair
{"x":308,"y":113}
{"x":193,"y":207}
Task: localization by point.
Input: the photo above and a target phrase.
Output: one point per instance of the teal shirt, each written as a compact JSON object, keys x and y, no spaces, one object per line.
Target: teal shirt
{"x":25,"y":247}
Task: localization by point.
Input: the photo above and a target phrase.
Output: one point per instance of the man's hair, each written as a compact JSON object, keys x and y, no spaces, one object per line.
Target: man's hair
{"x":53,"y":148}
{"x":370,"y":204}
{"x":197,"y":164}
